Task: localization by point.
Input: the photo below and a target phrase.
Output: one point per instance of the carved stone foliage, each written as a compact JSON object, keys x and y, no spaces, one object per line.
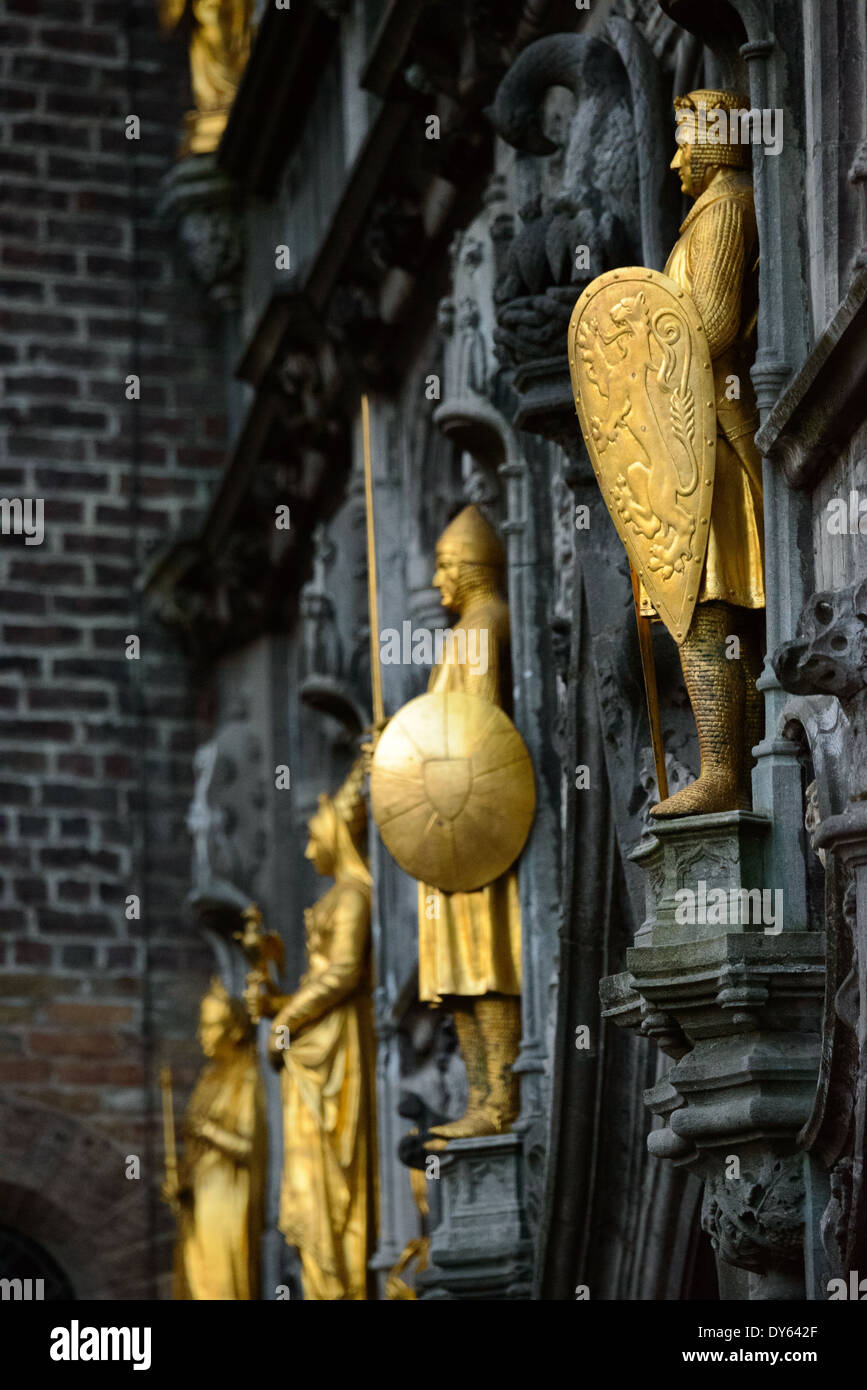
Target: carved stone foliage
{"x":758,"y":1223}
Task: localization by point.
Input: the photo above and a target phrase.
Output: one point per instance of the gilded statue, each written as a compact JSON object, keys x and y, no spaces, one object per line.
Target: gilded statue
{"x":220,"y":32}
{"x":216,"y":1190}
{"x":322,"y":1040}
{"x":469,"y":941}
{"x":661,"y":372}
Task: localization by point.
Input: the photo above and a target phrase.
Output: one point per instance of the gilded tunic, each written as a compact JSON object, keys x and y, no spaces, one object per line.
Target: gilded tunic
{"x":716,"y":261}
{"x":218,"y":1251}
{"x":328,"y":1198}
{"x":470,"y":943}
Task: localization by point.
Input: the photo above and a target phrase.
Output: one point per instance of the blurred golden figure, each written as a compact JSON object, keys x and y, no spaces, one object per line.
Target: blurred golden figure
{"x":220,"y":33}
{"x":217,"y":1190}
{"x":322,"y":1037}
{"x":661,"y":374}
{"x":469,"y":945}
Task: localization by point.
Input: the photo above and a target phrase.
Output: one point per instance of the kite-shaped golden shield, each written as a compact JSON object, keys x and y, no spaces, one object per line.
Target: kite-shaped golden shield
{"x":452,"y":790}
{"x":644,"y":392}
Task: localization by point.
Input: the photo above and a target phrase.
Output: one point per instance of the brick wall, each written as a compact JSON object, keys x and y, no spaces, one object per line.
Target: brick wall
{"x":95,"y":750}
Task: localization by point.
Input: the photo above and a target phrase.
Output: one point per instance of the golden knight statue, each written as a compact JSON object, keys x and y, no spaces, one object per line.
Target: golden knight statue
{"x":322,"y":1038}
{"x":661,"y":374}
{"x":220,"y":32}
{"x":457,"y":777}
{"x":217,"y":1191}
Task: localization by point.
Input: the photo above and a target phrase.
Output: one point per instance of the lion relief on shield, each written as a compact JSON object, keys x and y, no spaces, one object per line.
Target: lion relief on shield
{"x":639,"y":362}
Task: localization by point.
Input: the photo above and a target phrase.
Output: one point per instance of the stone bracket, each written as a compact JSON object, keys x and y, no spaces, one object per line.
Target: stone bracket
{"x":480,"y":1249}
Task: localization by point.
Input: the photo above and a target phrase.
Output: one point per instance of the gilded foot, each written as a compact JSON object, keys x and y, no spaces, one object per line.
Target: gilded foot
{"x":473,"y":1125}
{"x":712,"y":792}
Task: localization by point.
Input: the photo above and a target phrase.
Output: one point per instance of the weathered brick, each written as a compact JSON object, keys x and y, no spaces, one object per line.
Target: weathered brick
{"x":55,"y":730}
{"x":78,"y":957}
{"x":27,"y":985}
{"x":100,"y":1074}
{"x":66,"y":794}
{"x":76,"y":714}
{"x":21,"y":1071}
{"x":33,"y":953}
{"x":64,"y":1043}
{"x":15,"y":794}
{"x":90,"y":1015}
{"x":74,"y":923}
{"x":66,"y":697}
{"x":30,"y":890}
{"x":71,"y":890}
{"x":23,"y":760}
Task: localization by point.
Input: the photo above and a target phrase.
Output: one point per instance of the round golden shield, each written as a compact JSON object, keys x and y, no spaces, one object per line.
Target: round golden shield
{"x":452,"y":790}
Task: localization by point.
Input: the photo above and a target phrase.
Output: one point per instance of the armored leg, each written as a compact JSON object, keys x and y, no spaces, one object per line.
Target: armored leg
{"x":716,"y":686}
{"x":489,"y":1031}
{"x":499,"y":1020}
{"x":473,"y":1121}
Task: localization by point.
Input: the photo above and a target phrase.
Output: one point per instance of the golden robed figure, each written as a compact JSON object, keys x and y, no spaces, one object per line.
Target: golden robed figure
{"x":660,"y":369}
{"x":322,"y":1038}
{"x":216,"y":1192}
{"x":220,"y":32}
{"x":468,"y":771}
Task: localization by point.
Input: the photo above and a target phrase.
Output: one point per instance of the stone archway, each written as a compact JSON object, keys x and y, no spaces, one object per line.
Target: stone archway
{"x":64,"y":1186}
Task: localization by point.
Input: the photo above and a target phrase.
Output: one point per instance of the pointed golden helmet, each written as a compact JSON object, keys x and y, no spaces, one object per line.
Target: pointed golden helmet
{"x":473,"y":539}
{"x":708,"y":149}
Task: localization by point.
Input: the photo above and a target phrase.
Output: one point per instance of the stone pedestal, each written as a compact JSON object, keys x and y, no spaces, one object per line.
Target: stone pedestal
{"x":735,"y":1002}
{"x":723,"y":851}
{"x":480,"y":1248}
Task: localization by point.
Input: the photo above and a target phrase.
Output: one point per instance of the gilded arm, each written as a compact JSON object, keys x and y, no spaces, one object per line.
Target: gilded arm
{"x":483,"y":645}
{"x":235,"y":1146}
{"x":485,"y":684}
{"x":322,"y":991}
{"x":717,"y":265}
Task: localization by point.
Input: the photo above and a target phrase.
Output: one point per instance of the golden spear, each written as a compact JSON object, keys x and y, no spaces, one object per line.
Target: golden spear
{"x":372,"y":606}
{"x":171,"y":1153}
{"x":648,"y":668}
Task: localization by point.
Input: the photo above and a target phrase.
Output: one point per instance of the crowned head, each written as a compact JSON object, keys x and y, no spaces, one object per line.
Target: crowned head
{"x":224,"y":1023}
{"x":338,"y":828}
